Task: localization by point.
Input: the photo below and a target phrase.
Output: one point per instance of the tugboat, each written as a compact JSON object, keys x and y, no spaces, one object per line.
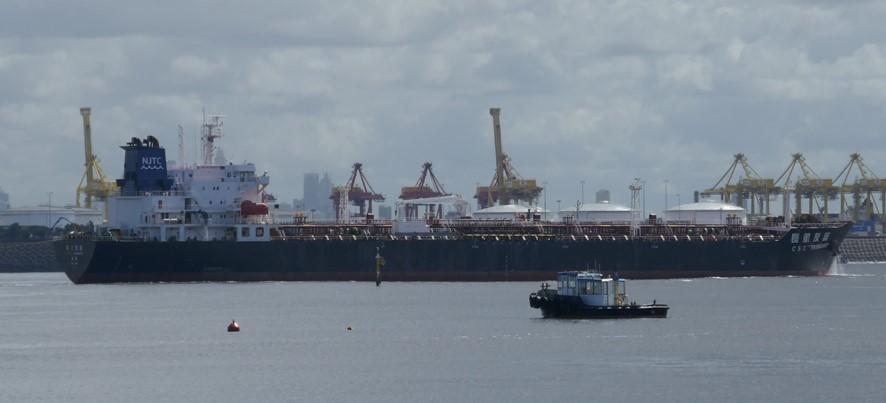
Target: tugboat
{"x":588,"y":295}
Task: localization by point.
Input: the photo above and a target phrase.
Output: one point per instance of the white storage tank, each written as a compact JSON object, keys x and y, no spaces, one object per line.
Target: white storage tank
{"x":46,"y":216}
{"x":707,"y":212}
{"x":603,"y":212}
{"x":512,"y":212}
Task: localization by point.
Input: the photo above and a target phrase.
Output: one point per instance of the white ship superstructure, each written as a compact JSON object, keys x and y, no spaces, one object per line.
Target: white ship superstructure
{"x":201,"y":202}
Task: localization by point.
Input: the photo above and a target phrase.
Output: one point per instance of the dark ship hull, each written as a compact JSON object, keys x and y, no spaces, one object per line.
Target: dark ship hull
{"x":802,"y":251}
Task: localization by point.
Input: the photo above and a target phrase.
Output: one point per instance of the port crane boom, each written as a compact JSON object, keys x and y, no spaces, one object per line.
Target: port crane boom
{"x":507,"y":185}
{"x":866,"y":184}
{"x":752,"y":186}
{"x":93,"y":184}
{"x":807,"y":184}
{"x":357,"y":191}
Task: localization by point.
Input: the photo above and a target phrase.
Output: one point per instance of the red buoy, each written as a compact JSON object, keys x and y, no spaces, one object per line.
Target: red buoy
{"x":233,"y":326}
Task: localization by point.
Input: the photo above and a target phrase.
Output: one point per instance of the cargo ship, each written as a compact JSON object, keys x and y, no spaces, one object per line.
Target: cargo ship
{"x":211,"y":222}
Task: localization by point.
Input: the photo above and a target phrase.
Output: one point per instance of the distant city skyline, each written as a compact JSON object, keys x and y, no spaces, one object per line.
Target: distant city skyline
{"x":4,"y":200}
{"x":315,"y":195}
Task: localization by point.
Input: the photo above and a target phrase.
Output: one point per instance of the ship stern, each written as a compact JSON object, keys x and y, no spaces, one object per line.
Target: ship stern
{"x":74,"y":257}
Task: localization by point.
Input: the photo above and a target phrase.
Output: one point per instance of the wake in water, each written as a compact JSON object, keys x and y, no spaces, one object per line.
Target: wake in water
{"x":836,"y":268}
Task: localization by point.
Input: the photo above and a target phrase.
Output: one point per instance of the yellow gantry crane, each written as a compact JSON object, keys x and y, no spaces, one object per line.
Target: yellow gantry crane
{"x":93,"y":183}
{"x":732,"y":189}
{"x":507,"y":185}
{"x":807,"y":184}
{"x":866,"y":184}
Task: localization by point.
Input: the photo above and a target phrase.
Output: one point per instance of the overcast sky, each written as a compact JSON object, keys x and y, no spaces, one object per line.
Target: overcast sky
{"x":597,"y":91}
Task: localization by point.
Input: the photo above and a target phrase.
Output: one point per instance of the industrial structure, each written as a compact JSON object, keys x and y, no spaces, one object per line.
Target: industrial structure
{"x":856,"y":186}
{"x":93,"y":184}
{"x":862,"y":190}
{"x":604,"y":212}
{"x":354,"y":193}
{"x":511,"y":212}
{"x":602,"y":196}
{"x":807,"y":184}
{"x":50,"y":216}
{"x":507,"y":185}
{"x":426,"y":188}
{"x":706,"y":213}
{"x":736,"y":189}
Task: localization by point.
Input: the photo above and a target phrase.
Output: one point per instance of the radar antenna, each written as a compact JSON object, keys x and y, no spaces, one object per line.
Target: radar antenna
{"x":212,"y":130}
{"x":181,"y":146}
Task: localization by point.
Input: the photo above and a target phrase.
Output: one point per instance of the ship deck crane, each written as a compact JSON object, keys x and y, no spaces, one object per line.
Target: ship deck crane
{"x":807,"y":184}
{"x":357,"y":194}
{"x":507,"y":185}
{"x":866,"y":183}
{"x":752,"y":186}
{"x":94,"y":185}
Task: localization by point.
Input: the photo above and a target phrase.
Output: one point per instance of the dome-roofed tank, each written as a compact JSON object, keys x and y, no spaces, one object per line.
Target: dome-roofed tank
{"x":513,"y":212}
{"x":707,"y":212}
{"x":603,"y":212}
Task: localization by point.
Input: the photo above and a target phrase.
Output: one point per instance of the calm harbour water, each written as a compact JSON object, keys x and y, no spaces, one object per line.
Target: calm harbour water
{"x":725,"y":340}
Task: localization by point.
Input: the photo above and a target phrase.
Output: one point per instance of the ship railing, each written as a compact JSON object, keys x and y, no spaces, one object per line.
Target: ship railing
{"x":758,"y":238}
{"x":163,"y":193}
{"x":492,"y":228}
{"x":830,"y":224}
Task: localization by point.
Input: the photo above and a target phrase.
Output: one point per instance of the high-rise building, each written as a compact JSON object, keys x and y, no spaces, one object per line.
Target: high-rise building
{"x":311,"y":191}
{"x":384,"y":212}
{"x":316,"y":193}
{"x":325,"y":190}
{"x":4,"y":200}
{"x":602,"y":196}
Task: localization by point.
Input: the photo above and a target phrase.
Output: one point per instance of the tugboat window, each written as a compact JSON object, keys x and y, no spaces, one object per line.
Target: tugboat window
{"x":244,"y":232}
{"x":260,"y":231}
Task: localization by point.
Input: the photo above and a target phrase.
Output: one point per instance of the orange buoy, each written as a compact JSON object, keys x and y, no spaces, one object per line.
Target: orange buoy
{"x":233,"y":326}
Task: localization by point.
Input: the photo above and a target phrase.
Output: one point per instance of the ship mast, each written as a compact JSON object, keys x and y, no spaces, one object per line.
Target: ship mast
{"x":212,"y":130}
{"x":181,"y":146}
